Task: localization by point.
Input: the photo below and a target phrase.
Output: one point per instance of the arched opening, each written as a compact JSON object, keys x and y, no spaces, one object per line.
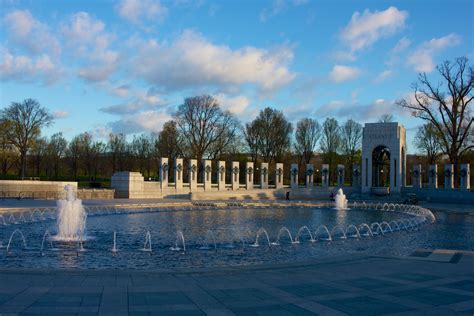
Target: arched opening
{"x":381,"y":167}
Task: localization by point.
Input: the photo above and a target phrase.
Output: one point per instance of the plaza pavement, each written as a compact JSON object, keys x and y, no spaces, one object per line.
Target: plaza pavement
{"x":354,"y":285}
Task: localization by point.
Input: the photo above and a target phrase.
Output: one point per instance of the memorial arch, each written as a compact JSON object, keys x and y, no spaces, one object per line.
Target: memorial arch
{"x":383,"y":158}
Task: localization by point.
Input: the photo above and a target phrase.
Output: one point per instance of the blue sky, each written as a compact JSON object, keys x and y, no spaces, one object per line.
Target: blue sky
{"x":124,"y":66}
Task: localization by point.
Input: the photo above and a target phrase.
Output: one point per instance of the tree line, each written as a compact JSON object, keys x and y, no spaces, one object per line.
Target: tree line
{"x":201,"y":129}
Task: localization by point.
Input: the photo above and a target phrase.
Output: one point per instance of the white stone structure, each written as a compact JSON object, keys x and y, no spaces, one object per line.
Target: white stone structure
{"x":309,"y":176}
{"x":340,"y":175}
{"x":464,"y":177}
{"x":193,"y":174}
{"x":433,"y":176}
{"x":416,"y":176}
{"x":127,"y":184}
{"x":279,"y":176}
{"x":383,"y":151}
{"x":264,"y":175}
{"x":207,"y":174}
{"x":221,"y":175}
{"x":325,"y":175}
{"x":449,"y":176}
{"x":294,"y":176}
{"x":178,"y":173}
{"x":249,"y":173}
{"x":164,"y":172}
{"x":235,"y":175}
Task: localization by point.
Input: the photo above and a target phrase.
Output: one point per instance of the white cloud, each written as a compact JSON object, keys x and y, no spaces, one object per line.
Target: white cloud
{"x":147,"y":121}
{"x":277,"y":7}
{"x":28,"y":69}
{"x":383,"y":75}
{"x":341,"y":73}
{"x":30,"y":34}
{"x":401,"y":45}
{"x":423,"y":57}
{"x":235,"y":105}
{"x":60,"y":114}
{"x":136,"y":11}
{"x":192,"y":61}
{"x":87,"y":36}
{"x":366,"y":28}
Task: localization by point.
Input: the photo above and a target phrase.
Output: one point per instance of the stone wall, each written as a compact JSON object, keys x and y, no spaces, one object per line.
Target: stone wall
{"x":33,"y":189}
{"x":95,"y":194}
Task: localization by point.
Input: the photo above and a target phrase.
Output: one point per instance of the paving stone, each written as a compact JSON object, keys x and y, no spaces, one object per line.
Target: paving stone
{"x":273,"y":310}
{"x":310,"y":289}
{"x":368,"y":283}
{"x":466,"y":285}
{"x":365,"y":306}
{"x":415,"y":277}
{"x":432,"y":297}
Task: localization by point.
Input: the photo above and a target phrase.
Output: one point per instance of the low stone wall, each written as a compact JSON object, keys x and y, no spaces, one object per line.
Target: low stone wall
{"x":95,"y":194}
{"x":303,"y":193}
{"x":33,"y":189}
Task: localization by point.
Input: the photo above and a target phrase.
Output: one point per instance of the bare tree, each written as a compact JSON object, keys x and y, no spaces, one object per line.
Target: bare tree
{"x":38,"y":153}
{"x":351,"y":142}
{"x":269,"y":135}
{"x":142,"y":150}
{"x":307,"y":135}
{"x":427,"y":141}
{"x":73,"y":153}
{"x":330,"y":141}
{"x":205,"y":129}
{"x":27,"y":119}
{"x":447,"y":106}
{"x":386,"y":118}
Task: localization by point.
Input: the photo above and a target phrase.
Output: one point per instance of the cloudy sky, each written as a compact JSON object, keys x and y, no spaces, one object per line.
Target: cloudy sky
{"x":123,"y":66}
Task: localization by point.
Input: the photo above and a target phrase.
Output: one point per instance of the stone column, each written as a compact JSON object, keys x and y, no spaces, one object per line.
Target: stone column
{"x":164,"y":171}
{"x":340,"y":175}
{"x":433,"y":176}
{"x":235,"y":175}
{"x":448,"y":176}
{"x":464,"y":177}
{"x":193,"y":174}
{"x":416,"y":176}
{"x":249,"y":175}
{"x":325,"y":176}
{"x":294,"y":176}
{"x":279,"y":175}
{"x":264,"y":175}
{"x":356,"y":175}
{"x":178,"y":173}
{"x":309,"y":176}
{"x":207,"y":175}
{"x":221,"y":175}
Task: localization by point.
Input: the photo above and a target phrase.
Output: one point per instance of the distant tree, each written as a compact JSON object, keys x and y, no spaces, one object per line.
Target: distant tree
{"x":206,"y":131}
{"x":269,"y":135}
{"x":56,"y":151}
{"x":447,"y":106}
{"x":169,"y":143}
{"x":427,"y":140}
{"x":330,"y":142}
{"x":73,"y":153}
{"x":386,"y":118}
{"x":142,"y":148}
{"x":38,"y":153}
{"x":351,"y":142}
{"x":27,"y":118}
{"x":307,"y":135}
{"x":117,"y":147}
{"x":8,"y":152}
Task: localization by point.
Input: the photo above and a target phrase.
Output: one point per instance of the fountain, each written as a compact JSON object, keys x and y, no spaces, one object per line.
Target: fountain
{"x":71,"y":217}
{"x":341,"y":201}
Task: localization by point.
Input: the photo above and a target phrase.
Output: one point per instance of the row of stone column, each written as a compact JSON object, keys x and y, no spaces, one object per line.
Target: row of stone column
{"x":221,"y":174}
{"x":464,"y":176}
{"x":309,"y":175}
